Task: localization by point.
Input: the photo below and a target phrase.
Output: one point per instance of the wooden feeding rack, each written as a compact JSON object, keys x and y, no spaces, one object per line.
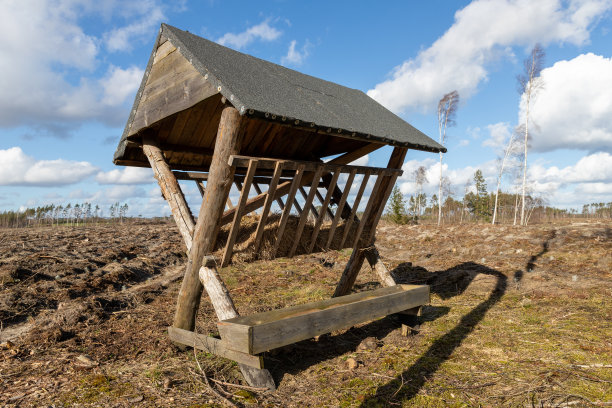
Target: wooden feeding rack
{"x":286,"y":141}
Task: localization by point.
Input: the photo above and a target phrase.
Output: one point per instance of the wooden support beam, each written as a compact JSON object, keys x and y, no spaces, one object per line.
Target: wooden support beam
{"x":228,"y":141}
{"x":201,"y":187}
{"x":213,"y":346}
{"x":267,"y":205}
{"x":349,"y":220}
{"x":322,"y":200}
{"x":244,"y":195}
{"x":340,"y":208}
{"x":310,"y":166}
{"x":170,"y":189}
{"x":225,"y":309}
{"x":283,"y":188}
{"x":356,"y":260}
{"x":312,"y":206}
{"x":319,"y":222}
{"x":290,"y":200}
{"x":298,"y":232}
{"x":374,"y":198}
{"x":373,"y":257}
{"x":220,"y":178}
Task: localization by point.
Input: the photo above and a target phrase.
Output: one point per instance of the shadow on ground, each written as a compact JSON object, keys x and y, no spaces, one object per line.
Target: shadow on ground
{"x":447,"y":284}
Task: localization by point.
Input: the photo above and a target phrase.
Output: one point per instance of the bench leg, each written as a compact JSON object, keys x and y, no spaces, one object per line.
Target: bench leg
{"x":410,"y":320}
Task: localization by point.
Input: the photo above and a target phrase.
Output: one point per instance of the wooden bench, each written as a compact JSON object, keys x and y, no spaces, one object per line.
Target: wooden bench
{"x":269,"y":330}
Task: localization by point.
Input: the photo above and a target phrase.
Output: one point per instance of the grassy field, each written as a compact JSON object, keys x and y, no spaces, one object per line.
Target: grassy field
{"x":518,"y":317}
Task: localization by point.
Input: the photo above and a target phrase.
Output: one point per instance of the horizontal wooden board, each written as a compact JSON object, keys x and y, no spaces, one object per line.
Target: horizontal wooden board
{"x":213,"y":346}
{"x":269,"y":330}
{"x":264,"y":163}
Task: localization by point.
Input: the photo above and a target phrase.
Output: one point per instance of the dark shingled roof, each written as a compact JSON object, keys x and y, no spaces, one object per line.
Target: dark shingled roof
{"x":260,"y":88}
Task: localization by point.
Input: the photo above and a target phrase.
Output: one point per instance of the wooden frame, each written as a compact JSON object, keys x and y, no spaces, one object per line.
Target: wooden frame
{"x":283,"y":177}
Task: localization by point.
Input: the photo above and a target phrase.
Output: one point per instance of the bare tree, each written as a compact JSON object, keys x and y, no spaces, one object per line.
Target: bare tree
{"x":509,"y":151}
{"x":466,"y":190}
{"x":529,"y":83}
{"x":447,"y":110}
{"x":420,"y":178}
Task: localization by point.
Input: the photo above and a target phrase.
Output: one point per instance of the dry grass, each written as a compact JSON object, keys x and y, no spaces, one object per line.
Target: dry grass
{"x":518,"y":317}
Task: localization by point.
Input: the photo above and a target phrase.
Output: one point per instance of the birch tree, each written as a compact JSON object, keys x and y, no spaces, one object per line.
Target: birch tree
{"x":447,"y":109}
{"x":529,"y":83}
{"x":420,"y":178}
{"x":509,"y":151}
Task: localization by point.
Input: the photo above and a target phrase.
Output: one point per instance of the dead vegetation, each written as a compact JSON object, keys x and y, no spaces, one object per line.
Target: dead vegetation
{"x":518,"y":317}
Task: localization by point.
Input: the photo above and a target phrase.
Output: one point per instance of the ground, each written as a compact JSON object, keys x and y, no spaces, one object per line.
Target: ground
{"x":518,"y":317}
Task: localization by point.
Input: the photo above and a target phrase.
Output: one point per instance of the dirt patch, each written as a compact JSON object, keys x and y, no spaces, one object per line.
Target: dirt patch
{"x":518,"y":316}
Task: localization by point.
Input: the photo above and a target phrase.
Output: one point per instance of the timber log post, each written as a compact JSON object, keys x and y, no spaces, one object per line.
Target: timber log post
{"x":219,"y":182}
{"x":170,"y":189}
{"x":356,"y":260}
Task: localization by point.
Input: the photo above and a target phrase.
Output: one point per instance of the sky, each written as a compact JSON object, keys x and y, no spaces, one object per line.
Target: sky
{"x":70,"y":71}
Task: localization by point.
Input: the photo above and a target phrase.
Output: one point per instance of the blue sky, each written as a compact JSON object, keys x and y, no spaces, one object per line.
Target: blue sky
{"x":71,"y":69}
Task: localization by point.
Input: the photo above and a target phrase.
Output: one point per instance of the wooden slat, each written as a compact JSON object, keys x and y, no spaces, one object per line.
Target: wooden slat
{"x":244,"y":195}
{"x":322,"y":200}
{"x":269,"y":330}
{"x":349,"y":221}
{"x":313,"y":209}
{"x":172,"y":86}
{"x":282,"y":189}
{"x":200,"y":185}
{"x":290,"y":200}
{"x":374,"y":197}
{"x":213,"y":346}
{"x":267,"y":205}
{"x":317,"y":227}
{"x":345,"y":194}
{"x":267,"y":163}
{"x":298,"y":232}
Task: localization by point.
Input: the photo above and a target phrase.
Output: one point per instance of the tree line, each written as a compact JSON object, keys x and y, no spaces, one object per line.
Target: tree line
{"x":480,"y":205}
{"x":69,"y":214}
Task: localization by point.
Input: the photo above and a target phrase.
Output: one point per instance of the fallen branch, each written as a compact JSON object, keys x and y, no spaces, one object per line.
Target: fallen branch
{"x":215,"y":392}
{"x":244,"y":387}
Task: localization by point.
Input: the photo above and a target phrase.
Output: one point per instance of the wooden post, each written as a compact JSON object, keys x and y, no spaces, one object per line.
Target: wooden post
{"x":219,"y":181}
{"x":170,"y":189}
{"x":373,"y":257}
{"x":356,"y":260}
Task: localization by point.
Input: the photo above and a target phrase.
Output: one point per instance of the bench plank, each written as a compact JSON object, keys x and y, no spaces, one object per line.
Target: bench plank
{"x":269,"y":330}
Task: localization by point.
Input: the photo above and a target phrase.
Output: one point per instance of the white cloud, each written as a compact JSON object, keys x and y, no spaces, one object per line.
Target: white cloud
{"x":574,"y":110}
{"x":50,"y":64}
{"x":127,"y":175}
{"x":588,"y":180}
{"x":483,"y":31}
{"x":362,"y":161}
{"x":596,"y":167}
{"x":499,"y":134}
{"x":294,"y":56}
{"x":119,"y":84}
{"x":148,"y":16}
{"x":262,"y":31}
{"x":19,"y":169}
